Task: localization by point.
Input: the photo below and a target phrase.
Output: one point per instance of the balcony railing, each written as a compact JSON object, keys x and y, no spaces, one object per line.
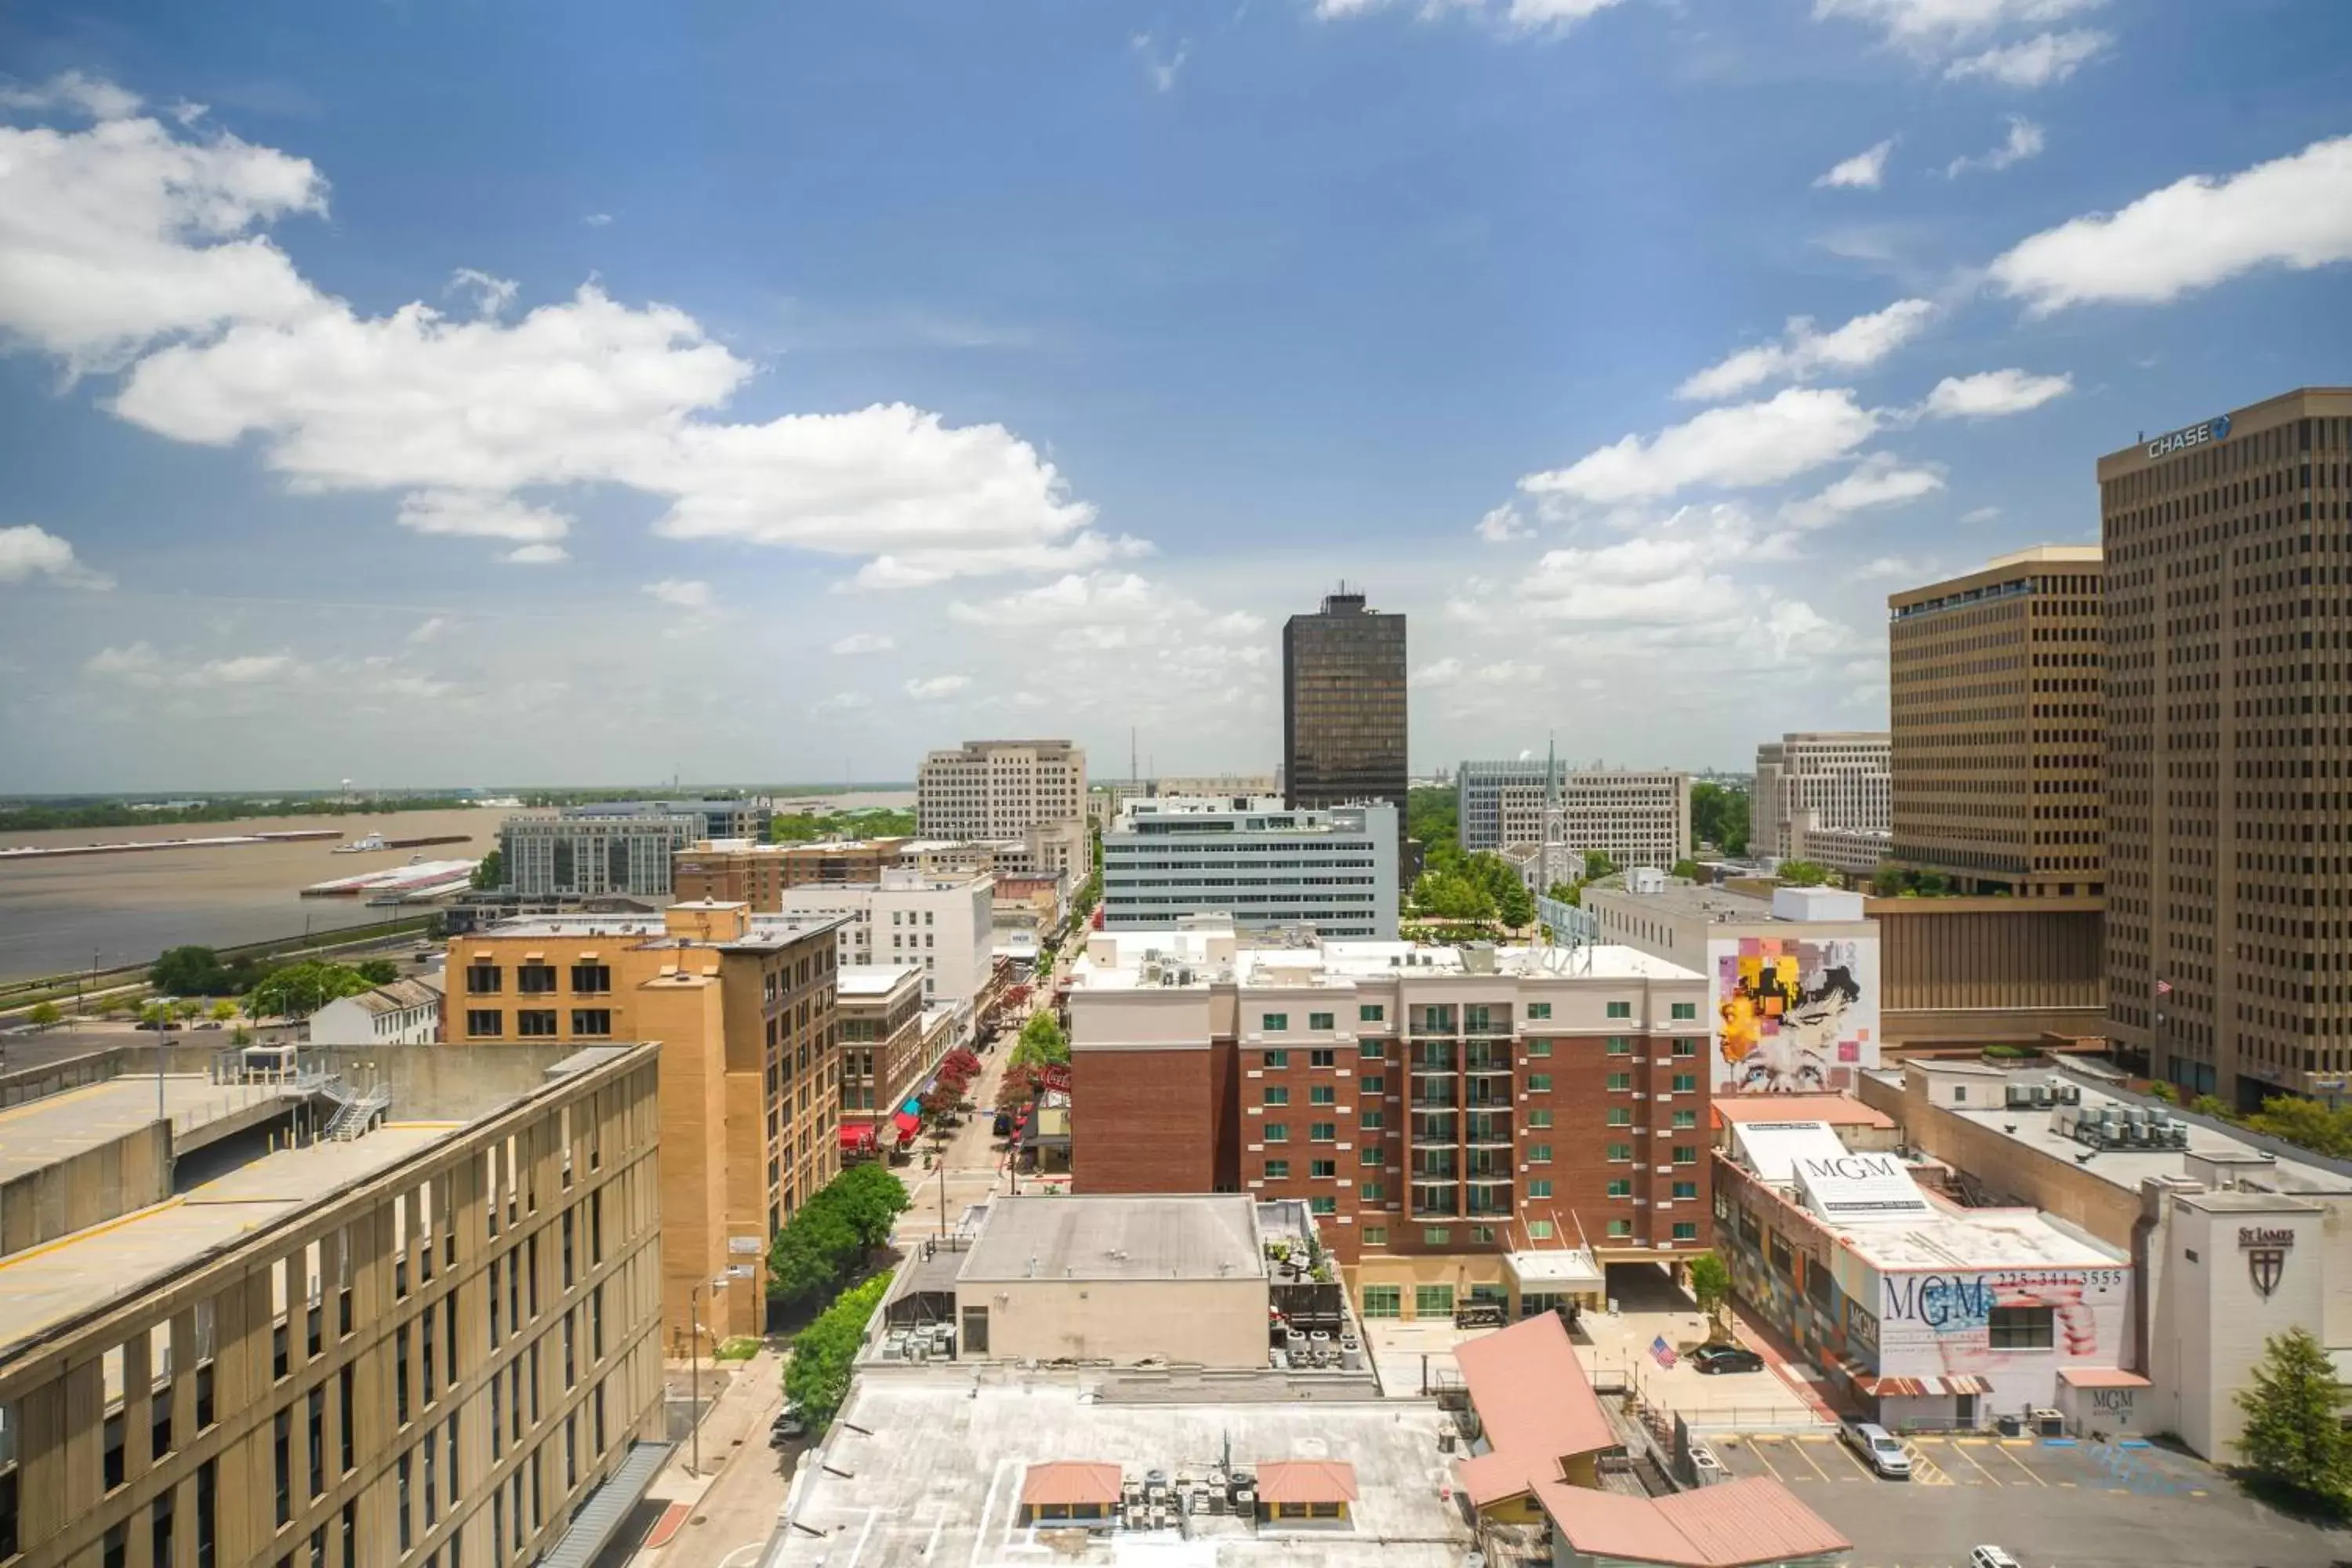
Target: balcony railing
{"x":1489,"y":1202}
{"x":1436,"y":1201}
{"x":1485,"y":1095}
{"x":1441,"y":1024}
{"x":1435,"y":1168}
{"x":1436,"y":1094}
{"x":1433,"y":1059}
{"x":1490,"y":1131}
{"x":1437,"y":1127}
{"x":1490,"y":1056}
{"x":1488,"y":1167}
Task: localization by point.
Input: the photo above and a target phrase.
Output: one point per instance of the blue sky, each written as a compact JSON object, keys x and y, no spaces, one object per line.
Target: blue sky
{"x":444,"y":393}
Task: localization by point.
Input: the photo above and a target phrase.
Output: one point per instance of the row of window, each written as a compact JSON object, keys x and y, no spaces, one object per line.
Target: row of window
{"x":536,"y":1023}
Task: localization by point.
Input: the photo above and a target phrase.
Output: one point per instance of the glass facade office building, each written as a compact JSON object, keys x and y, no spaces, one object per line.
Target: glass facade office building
{"x":1343,"y":707}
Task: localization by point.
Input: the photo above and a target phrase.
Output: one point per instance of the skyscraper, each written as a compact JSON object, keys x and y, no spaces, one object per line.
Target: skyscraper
{"x":1343,"y":707}
{"x":2229,"y":613}
{"x":1839,"y":780}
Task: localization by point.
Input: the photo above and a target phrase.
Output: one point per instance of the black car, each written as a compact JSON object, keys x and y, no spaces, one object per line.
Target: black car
{"x":1726,"y":1358}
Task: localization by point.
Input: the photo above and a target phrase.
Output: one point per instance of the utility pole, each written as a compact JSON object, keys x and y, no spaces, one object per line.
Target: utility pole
{"x":694,"y":1356}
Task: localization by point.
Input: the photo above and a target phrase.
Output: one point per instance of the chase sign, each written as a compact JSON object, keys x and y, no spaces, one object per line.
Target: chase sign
{"x":2212,"y":430}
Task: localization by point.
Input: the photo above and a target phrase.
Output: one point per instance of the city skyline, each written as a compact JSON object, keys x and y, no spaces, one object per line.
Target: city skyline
{"x":881,"y":431}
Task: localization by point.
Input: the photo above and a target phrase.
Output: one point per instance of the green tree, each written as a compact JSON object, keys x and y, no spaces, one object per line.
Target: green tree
{"x":817,"y":1377}
{"x":1710,"y":1283}
{"x":378,"y":971}
{"x":1454,"y":895}
{"x":1598,"y":865}
{"x":2295,"y":1436}
{"x":1688,"y":870}
{"x":301,"y":989}
{"x":190,"y":972}
{"x":1805,"y":874}
{"x":155,"y":1015}
{"x":2305,"y":1122}
{"x":814,"y":1253}
{"x":45,"y":1016}
{"x":223,"y":1011}
{"x":1888,"y":882}
{"x":1719,"y":816}
{"x":871,"y":1199}
{"x":1433,"y":815}
{"x":2209,"y":1105}
{"x":1042,"y":1043}
{"x":491,"y":872}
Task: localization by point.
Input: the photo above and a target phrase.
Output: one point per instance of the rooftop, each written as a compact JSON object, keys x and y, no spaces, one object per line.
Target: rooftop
{"x":1535,"y":1404}
{"x":56,"y":1127}
{"x":1728,"y":1525}
{"x":1115,"y":1236}
{"x":398,"y":996}
{"x":1177,"y":958}
{"x":1837,"y":1110}
{"x":963,"y":1453}
{"x":873,"y":978}
{"x":2127,"y":1168}
{"x":1714,"y":904}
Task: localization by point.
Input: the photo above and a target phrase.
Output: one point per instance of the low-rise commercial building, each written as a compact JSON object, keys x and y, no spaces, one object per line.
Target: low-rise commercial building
{"x":1793,"y":982}
{"x":939,"y":926}
{"x":746,"y":871}
{"x":883,"y":1055}
{"x":1264,"y":863}
{"x":751,"y":1082}
{"x":410,"y":1341}
{"x":404,"y":1013}
{"x":1466,"y":1124}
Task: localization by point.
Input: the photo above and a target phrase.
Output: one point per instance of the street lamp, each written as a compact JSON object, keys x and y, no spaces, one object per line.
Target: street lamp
{"x":695,"y":1330}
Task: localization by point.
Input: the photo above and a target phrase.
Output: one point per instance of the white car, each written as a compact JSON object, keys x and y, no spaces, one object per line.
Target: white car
{"x":1990,"y":1557}
{"x":1878,"y":1449}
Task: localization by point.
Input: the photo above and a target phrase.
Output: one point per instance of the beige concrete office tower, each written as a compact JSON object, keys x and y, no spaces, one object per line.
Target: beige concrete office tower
{"x":427,"y":1339}
{"x":1841,"y":777}
{"x":2229,"y":940}
{"x":993,"y":789}
{"x":1995,"y":711}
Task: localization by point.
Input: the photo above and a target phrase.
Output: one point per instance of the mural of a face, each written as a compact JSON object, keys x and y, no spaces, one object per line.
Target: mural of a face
{"x":1783,"y":1016}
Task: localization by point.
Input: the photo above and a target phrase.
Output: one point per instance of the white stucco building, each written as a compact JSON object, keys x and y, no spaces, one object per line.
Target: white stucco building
{"x":404,"y":1013}
{"x":940,"y":925}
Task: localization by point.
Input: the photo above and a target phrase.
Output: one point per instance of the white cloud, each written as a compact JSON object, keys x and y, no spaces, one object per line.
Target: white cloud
{"x":2038,"y":61}
{"x":1878,"y":481}
{"x":427,"y":629}
{"x":2024,"y":141}
{"x":864,"y":642}
{"x":1891,"y":569}
{"x":88,"y":95}
{"x":1525,"y":15}
{"x":1805,"y":351}
{"x":2292,"y":211}
{"x":125,"y":232}
{"x":937,"y":687}
{"x":492,"y":295}
{"x":1863,"y":172}
{"x":139,"y":664}
{"x":1454,"y":672}
{"x":843,"y":703}
{"x":1160,"y":69}
{"x":597,"y":220}
{"x":681,"y":594}
{"x":1746,"y":443}
{"x":1992,"y":394}
{"x":536,"y":555}
{"x":1926,"y":24}
{"x":1980,"y":514}
{"x":480,"y":515}
{"x":1502,"y":524}
{"x":130,"y":232}
{"x":29,"y":550}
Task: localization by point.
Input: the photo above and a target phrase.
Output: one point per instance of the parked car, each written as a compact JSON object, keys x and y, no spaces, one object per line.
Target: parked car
{"x":1878,"y":1449}
{"x":1727,"y":1358}
{"x":787,"y":1427}
{"x":1990,"y":1557}
{"x":1478,"y":1315}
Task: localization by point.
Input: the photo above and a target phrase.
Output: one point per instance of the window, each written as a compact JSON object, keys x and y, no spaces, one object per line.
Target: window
{"x":1685,"y":1154}
{"x":1619,"y":1045}
{"x":1539,"y":1153}
{"x":1276,"y":1094}
{"x":1621,"y":1187}
{"x":1621,"y":1227}
{"x":534,"y":979}
{"x":1278,"y":1170}
{"x":1685,"y":1189}
{"x":1620,"y":1009}
{"x":1621,"y":1081}
{"x":1372,"y":1156}
{"x":1538,"y":1047}
{"x":1319,"y":1020}
{"x":531,"y":1022}
{"x":1277,"y":1058}
{"x":1322,"y":1094}
{"x":1683,"y":1121}
{"x":1620,"y":1116}
{"x":1369,"y":1192}
{"x":1277,"y":1131}
{"x":591,"y":979}
{"x":1383,"y":1300}
{"x":1322,"y":1167}
{"x":1371,"y":1083}
{"x":1539,"y":1189}
{"x":1433,"y":1300}
{"x":1323,"y":1131}
{"x":1370,"y":1013}
{"x":1273,"y":1023}
{"x":1539,"y":1083}
{"x":1538,"y":1009}
{"x":1322,"y":1205}
{"x":1539,"y":1117}
{"x":592,"y":1020}
{"x":482,"y":980}
{"x":1685,"y":1083}
{"x":1371,"y":1119}
{"x":2019,"y":1328}
{"x":1539,"y":1230}
{"x":1685,"y":1048}
{"x":1325,"y":1057}
{"x":1621,"y":1153}
{"x":485,"y":1021}
{"x":1376,"y":1236}
{"x":1437,"y":1235}
{"x":1684,"y":1009}
{"x":1685,"y":1230}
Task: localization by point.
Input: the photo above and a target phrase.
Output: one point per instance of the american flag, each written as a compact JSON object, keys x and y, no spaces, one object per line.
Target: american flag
{"x":2164,"y":988}
{"x":1664,"y":1352}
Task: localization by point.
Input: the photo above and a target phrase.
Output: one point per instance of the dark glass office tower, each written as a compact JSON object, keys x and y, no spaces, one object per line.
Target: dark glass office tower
{"x":1343,"y":707}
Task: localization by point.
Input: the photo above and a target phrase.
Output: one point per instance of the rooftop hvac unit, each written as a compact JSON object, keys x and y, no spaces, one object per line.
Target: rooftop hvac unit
{"x":2016,"y":1095}
{"x":2041,"y":1095}
{"x":2068,"y":1093}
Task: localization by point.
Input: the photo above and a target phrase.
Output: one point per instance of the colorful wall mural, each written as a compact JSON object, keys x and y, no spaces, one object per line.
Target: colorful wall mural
{"x":1794,"y":1014}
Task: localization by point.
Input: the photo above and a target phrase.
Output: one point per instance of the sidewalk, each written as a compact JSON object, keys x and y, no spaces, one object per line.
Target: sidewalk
{"x":698,"y":1520}
{"x":1782,"y":1357}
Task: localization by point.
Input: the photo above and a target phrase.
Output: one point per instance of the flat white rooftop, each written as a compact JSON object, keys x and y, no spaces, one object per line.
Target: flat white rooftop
{"x":1978,"y":1238}
{"x":2130,"y":1167}
{"x":1184,"y":959}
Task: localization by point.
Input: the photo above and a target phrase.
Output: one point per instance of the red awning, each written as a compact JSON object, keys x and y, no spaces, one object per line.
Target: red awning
{"x":858,"y":1135}
{"x":906,"y":1121}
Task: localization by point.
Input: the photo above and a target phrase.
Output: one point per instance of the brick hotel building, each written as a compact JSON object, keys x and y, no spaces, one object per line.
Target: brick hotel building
{"x":1466,"y":1124}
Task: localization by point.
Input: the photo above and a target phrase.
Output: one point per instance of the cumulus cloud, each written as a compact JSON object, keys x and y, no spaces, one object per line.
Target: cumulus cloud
{"x":2038,"y":61}
{"x":427,"y":629}
{"x":1863,"y":172}
{"x":1878,"y":481}
{"x":492,"y":295}
{"x":139,"y":664}
{"x":2024,"y":141}
{"x":483,"y":515}
{"x":1160,"y":67}
{"x":2293,"y":212}
{"x":1804,"y":351}
{"x":1454,"y":672}
{"x":681,"y":594}
{"x":1502,"y":524}
{"x":937,"y":687}
{"x":1992,"y":394}
{"x":1739,"y":445}
{"x":135,"y":241}
{"x":73,"y":90}
{"x":864,"y":642}
{"x":1522,"y":16}
{"x":536,"y":555}
{"x":1930,"y":25}
{"x":1891,"y":569}
{"x":28,"y":551}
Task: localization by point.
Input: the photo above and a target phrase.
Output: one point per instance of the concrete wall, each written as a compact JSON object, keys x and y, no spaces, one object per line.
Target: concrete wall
{"x":1989,"y":970}
{"x":56,"y":1078}
{"x":94,"y":1186}
{"x":1213,"y":1322}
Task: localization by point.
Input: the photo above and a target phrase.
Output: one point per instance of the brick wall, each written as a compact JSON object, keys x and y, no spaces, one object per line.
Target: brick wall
{"x":1145,"y":1120}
